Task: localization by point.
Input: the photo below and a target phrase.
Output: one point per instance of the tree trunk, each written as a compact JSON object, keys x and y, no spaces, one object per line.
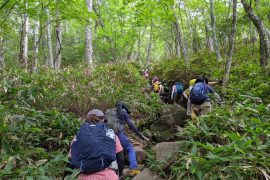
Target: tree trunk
{"x":264,"y":41}
{"x":88,"y":35}
{"x":49,"y":41}
{"x":181,"y":41}
{"x":139,"y":45}
{"x":2,"y":60}
{"x":197,"y":45}
{"x":149,"y":46}
{"x":190,"y":31}
{"x":225,"y":34}
{"x":58,"y":58}
{"x":253,"y":38}
{"x":177,"y":48}
{"x":231,"y":48}
{"x":23,"y":56}
{"x":214,"y":33}
{"x":36,"y":42}
{"x":208,"y":36}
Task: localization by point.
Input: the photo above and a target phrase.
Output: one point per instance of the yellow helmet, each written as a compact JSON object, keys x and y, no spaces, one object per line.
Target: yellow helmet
{"x":192,"y":82}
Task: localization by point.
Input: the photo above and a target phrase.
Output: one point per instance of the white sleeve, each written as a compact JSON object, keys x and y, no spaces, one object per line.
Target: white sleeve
{"x":173,"y":89}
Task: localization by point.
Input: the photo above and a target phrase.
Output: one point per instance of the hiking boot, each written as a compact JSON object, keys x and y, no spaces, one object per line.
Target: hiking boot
{"x":134,"y":172}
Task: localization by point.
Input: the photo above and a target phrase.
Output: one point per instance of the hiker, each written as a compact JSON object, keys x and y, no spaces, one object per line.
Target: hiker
{"x":123,"y":116}
{"x":177,"y":91}
{"x":186,"y":96}
{"x":165,"y":96}
{"x":157,"y":86}
{"x":187,"y":91}
{"x":146,"y":73}
{"x":199,"y":99}
{"x":96,"y":150}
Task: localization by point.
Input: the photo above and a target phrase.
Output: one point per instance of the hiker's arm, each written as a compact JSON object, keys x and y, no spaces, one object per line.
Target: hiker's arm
{"x":188,"y":107}
{"x":132,"y":126}
{"x":216,"y":95}
{"x":120,"y":162}
{"x":161,"y":90}
{"x":68,"y":164}
{"x":185,"y":93}
{"x":213,"y":83}
{"x":173,"y":89}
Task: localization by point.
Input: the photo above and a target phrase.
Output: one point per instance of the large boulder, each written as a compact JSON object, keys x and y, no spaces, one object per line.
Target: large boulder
{"x":164,"y":128}
{"x":140,"y":154}
{"x":146,"y":174}
{"x":166,"y":152}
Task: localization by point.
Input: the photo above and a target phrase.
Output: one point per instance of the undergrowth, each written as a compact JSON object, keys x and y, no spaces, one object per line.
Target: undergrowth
{"x":41,"y":112}
{"x":233,"y":141}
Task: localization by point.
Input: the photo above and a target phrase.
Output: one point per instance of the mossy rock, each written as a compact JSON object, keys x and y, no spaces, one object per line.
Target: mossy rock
{"x":171,"y":116}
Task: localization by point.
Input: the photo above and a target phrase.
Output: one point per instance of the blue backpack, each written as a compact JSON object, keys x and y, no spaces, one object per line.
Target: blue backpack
{"x":179,"y":88}
{"x":94,"y":148}
{"x":198,"y":94}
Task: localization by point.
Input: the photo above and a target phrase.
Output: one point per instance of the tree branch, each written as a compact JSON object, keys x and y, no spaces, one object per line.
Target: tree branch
{"x":4,"y":4}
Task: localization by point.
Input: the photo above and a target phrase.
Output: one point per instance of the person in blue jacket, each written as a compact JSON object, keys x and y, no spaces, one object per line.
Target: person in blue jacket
{"x":124,"y":118}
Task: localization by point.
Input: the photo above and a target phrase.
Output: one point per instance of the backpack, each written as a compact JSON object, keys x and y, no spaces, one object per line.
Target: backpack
{"x":94,"y":148}
{"x":156,"y":86}
{"x":198,"y":94}
{"x":113,"y":121}
{"x":179,"y":88}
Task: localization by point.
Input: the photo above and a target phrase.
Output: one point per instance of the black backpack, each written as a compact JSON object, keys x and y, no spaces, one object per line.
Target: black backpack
{"x":94,"y":148}
{"x":112,"y":120}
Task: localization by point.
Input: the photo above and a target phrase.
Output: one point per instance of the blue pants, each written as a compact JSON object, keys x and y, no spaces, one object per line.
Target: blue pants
{"x":128,"y":147}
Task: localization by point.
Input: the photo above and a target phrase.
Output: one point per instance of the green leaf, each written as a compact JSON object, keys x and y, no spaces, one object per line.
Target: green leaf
{"x":9,"y":166}
{"x":40,"y":162}
{"x":73,"y":175}
{"x":5,"y":148}
{"x":194,"y":149}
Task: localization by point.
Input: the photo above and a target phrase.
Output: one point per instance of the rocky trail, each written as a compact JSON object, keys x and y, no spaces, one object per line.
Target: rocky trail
{"x":164,"y":142}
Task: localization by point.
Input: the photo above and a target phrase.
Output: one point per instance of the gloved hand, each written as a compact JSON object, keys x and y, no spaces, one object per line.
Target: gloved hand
{"x":222,"y":103}
{"x":145,"y":138}
{"x":220,"y":82}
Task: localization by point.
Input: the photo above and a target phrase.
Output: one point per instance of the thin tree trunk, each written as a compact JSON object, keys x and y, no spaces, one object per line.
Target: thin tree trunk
{"x":214,"y":33}
{"x":208,"y":36}
{"x":49,"y":41}
{"x":139,"y":45}
{"x":226,"y":32}
{"x":36,"y":42}
{"x":164,"y":50}
{"x":180,"y":41}
{"x":190,"y":31}
{"x":253,"y":38}
{"x":88,"y":36}
{"x":209,"y":40}
{"x":231,"y":48}
{"x":149,"y":46}
{"x":2,"y":58}
{"x":58,"y":58}
{"x":177,"y":48}
{"x":264,"y":41}
{"x":23,"y":57}
{"x":197,"y":45}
